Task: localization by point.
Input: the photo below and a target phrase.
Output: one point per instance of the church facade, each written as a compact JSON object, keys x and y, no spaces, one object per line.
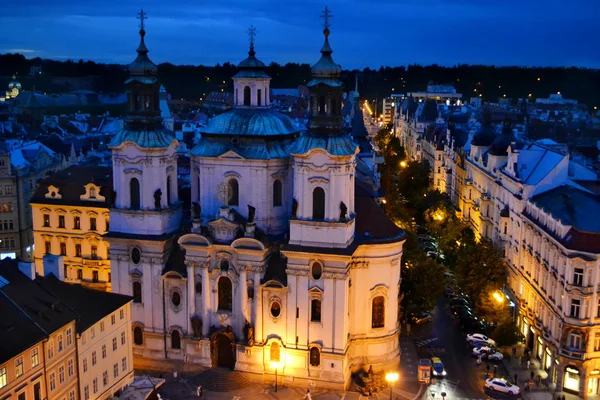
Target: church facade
{"x":289,"y":263}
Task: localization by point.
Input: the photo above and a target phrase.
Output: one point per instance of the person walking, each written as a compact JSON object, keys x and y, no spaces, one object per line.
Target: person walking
{"x":307,"y":396}
{"x":199,"y":391}
{"x":528,"y":363}
{"x":516,"y":379}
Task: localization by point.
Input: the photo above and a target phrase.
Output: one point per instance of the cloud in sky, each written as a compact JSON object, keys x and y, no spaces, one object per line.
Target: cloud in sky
{"x":364,"y":32}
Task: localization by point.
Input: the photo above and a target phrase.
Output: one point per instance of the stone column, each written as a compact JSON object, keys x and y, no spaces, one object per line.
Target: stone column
{"x":242,"y":304}
{"x":206,"y":290}
{"x":258,"y":332}
{"x":191,"y":300}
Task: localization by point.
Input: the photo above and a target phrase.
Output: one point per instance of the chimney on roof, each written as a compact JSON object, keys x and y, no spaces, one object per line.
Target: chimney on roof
{"x":54,"y":264}
{"x":27,"y":268}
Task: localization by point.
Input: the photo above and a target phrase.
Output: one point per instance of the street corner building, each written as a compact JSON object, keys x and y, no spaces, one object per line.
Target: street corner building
{"x":289,"y":262}
{"x":59,"y":340}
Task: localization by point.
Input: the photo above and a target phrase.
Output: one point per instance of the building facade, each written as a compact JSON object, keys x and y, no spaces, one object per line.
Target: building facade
{"x":71,"y":215}
{"x":288,"y":266}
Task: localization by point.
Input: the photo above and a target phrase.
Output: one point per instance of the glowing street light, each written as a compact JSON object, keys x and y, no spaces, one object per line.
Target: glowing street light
{"x":498,"y":296}
{"x":391,"y":378}
{"x":276,"y":365}
{"x":403,"y":164}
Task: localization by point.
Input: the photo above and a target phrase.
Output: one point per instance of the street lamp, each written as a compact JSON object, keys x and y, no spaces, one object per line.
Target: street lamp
{"x":403,"y":164}
{"x":391,"y":378}
{"x":498,"y":296}
{"x":276,"y":365}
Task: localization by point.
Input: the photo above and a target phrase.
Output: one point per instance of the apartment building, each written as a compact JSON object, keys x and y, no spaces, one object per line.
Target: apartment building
{"x":70,"y":216}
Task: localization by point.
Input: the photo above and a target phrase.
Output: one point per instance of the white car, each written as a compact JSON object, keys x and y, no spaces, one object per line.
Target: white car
{"x":501,"y":385}
{"x":497,"y":356}
{"x":480,"y":337}
{"x":479,"y":351}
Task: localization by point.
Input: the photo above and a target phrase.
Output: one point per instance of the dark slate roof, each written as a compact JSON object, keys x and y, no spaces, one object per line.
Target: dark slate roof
{"x":71,"y":182}
{"x":430,"y":111}
{"x":251,"y":122}
{"x":256,"y":149}
{"x":341,"y":145}
{"x":154,"y":139}
{"x":503,"y":141}
{"x":35,"y":313}
{"x":485,"y":137}
{"x":91,"y":305}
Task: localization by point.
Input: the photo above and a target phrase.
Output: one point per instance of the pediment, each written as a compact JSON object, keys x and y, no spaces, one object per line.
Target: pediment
{"x":315,"y":290}
{"x":231,"y":155}
{"x":223,"y":230}
{"x":136,"y":273}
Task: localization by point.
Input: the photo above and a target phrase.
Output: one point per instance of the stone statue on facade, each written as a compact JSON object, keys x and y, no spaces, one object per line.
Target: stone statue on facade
{"x":251,"y":213}
{"x":294,"y":207}
{"x":196,"y":326}
{"x":249,"y":334}
{"x":343,"y":211}
{"x":197,"y":210}
{"x":157,"y":197}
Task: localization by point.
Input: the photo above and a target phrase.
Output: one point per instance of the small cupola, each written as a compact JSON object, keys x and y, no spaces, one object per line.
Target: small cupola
{"x":251,"y":85}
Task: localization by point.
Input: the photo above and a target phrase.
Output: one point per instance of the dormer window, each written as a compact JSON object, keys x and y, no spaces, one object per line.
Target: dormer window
{"x":92,"y":193}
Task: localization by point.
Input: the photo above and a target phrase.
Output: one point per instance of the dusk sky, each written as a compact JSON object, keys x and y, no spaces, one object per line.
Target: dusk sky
{"x":365,"y":33}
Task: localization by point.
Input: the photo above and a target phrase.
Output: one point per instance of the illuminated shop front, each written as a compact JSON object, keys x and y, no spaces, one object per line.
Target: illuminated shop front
{"x":594,"y":383}
{"x":540,"y":348}
{"x":571,"y":379}
{"x":548,"y":360}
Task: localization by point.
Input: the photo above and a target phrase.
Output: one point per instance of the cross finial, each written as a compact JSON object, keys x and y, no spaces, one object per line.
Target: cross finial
{"x":251,"y":34}
{"x":142,"y":16}
{"x":326,"y":14}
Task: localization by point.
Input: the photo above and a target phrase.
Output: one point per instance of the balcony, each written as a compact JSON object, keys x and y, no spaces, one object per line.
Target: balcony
{"x":584,"y":290}
{"x":485,"y":197}
{"x":93,"y":262}
{"x":569,"y":352}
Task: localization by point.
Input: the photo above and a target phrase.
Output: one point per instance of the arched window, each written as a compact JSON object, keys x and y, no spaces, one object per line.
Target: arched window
{"x":315,"y":357}
{"x":176,"y":299}
{"x":234,"y":193}
{"x":134,"y":193}
{"x":378,"y":312}
{"x":198,"y":287}
{"x":318,"y":203}
{"x":175,"y":340}
{"x":259,"y":97}
{"x":275,"y":352}
{"x":224,"y":265}
{"x":322,"y":105}
{"x":137,"y":292}
{"x":225,"y":293}
{"x":138,"y":336}
{"x":315,"y":310}
{"x":168,"y":190}
{"x":334,"y":110}
{"x":277,"y":193}
{"x":247,"y":96}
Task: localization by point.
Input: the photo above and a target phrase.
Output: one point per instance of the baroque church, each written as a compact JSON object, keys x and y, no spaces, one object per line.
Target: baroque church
{"x":287,"y":262}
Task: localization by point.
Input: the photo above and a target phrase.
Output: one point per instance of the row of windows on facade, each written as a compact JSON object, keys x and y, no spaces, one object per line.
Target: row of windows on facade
{"x":113,"y":321}
{"x":247,"y":96}
{"x":94,"y":359}
{"x":80,"y":276}
{"x":20,"y":367}
{"x":76,"y":223}
{"x":135,"y":197}
{"x":95,"y":388}
{"x":78,"y":253}
{"x":7,"y":225}
{"x":7,"y":243}
{"x":37,"y":389}
{"x":61,"y":374}
{"x":225,"y":302}
{"x":6,"y":207}
{"x":322,"y":108}
{"x":8,"y":189}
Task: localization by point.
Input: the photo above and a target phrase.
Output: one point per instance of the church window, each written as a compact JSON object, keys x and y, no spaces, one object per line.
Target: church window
{"x":247,"y":95}
{"x":275,"y":309}
{"x":315,"y":310}
{"x":234,"y":193}
{"x":274,"y":352}
{"x":176,"y":299}
{"x":134,"y":193}
{"x":198,"y":287}
{"x":378,"y":312}
{"x":136,"y":256}
{"x":259,"y":97}
{"x":317,"y":270}
{"x":318,"y":203}
{"x":224,"y":265}
{"x":333,"y":107}
{"x":175,"y":340}
{"x":322,"y":105}
{"x":168,"y":190}
{"x":251,"y":292}
{"x":225,"y":294}
{"x":138,"y":336}
{"x":277,"y":193}
{"x":137,"y":292}
{"x":315,"y":357}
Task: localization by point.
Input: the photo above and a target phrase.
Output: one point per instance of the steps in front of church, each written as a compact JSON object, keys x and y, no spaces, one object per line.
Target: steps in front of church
{"x":222,"y":380}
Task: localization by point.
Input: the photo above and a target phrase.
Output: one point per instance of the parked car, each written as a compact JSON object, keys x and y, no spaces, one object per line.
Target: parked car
{"x":478,"y":343}
{"x":437,"y":367}
{"x":497,"y":356}
{"x":481,"y":337}
{"x":421,"y":319}
{"x":480,"y":351}
{"x":501,"y":385}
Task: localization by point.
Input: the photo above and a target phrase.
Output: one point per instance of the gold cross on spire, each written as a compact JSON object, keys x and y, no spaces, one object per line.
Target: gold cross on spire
{"x":142,"y":16}
{"x":326,"y":14}
{"x":252,"y":33}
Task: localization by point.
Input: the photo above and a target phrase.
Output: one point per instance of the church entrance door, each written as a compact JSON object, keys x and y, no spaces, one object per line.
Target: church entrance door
{"x":224,"y":349}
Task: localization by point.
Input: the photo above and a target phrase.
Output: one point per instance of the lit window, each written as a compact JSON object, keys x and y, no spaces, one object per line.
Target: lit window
{"x":19,"y":367}
{"x":35,"y":358}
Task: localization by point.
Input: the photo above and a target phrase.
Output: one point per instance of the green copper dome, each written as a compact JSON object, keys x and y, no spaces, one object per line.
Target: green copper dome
{"x":252,"y":122}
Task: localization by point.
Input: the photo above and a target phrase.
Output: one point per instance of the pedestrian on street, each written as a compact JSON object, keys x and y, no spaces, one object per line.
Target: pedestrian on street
{"x":199,"y":391}
{"x":495,"y":369}
{"x":528,"y":363}
{"x":307,"y":396}
{"x":532,"y":374}
{"x":516,"y":379}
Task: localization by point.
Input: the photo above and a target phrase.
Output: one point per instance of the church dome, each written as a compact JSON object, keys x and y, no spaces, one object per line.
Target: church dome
{"x":251,"y":67}
{"x":142,"y":65}
{"x":251,"y":122}
{"x":14,"y":84}
{"x":326,"y":68}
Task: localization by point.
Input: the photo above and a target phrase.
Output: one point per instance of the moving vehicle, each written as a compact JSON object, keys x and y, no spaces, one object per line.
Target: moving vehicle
{"x":501,"y":385}
{"x":480,"y":351}
{"x":481,"y":337}
{"x":421,"y":319}
{"x":437,"y":367}
{"x":497,"y":356}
